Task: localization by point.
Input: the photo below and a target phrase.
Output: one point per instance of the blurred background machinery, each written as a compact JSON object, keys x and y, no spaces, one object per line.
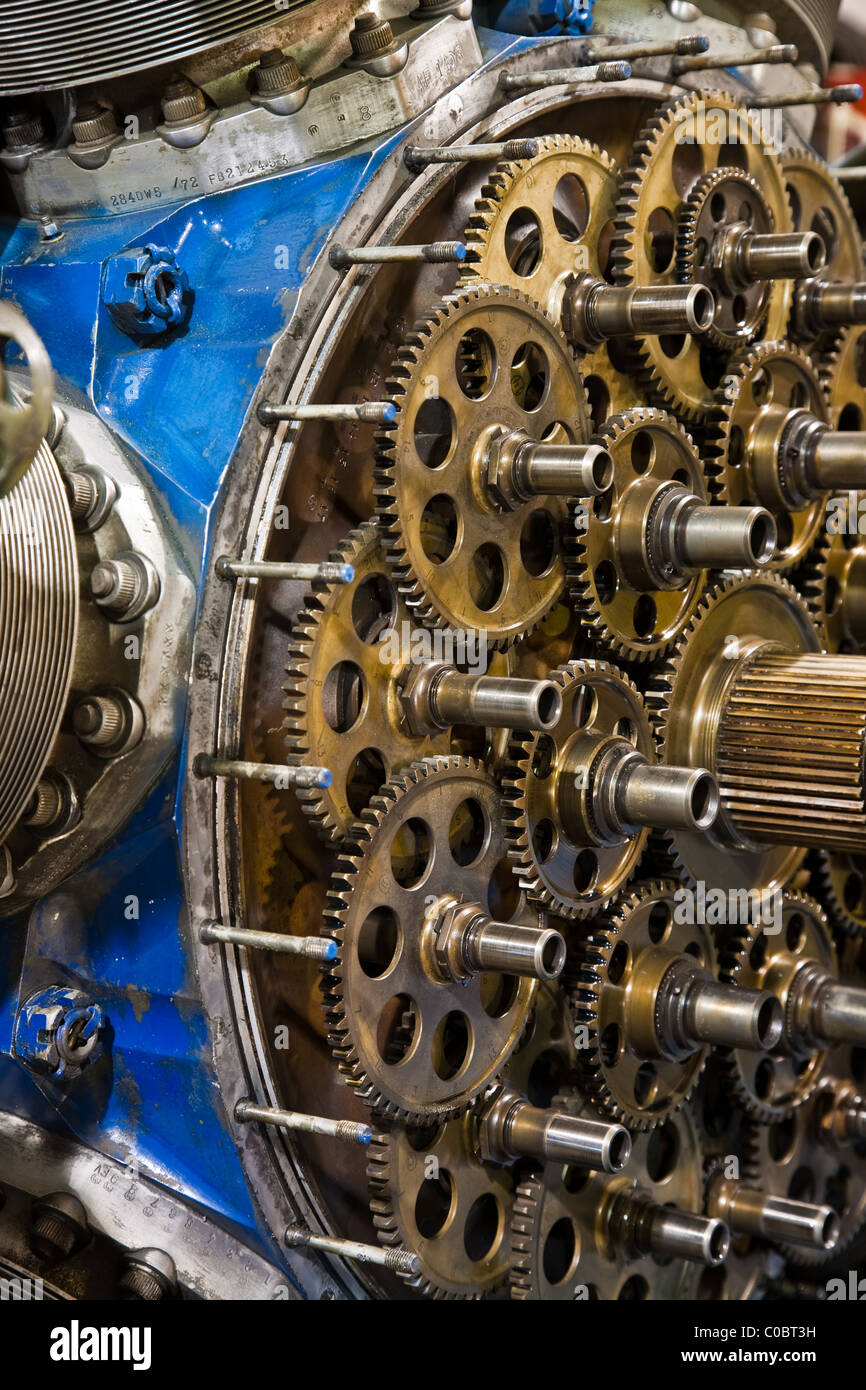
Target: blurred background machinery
{"x":432,"y":631}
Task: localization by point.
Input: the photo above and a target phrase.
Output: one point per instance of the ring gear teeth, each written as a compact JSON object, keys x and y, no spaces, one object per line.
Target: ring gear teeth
{"x":612,"y":624}
{"x":532,"y":186}
{"x":823,"y":579}
{"x":547,"y":1205}
{"x":725,"y":439}
{"x":314,"y":652}
{"x":400,"y":1013}
{"x":613,"y":1084}
{"x":842,"y":368}
{"x":675,"y":852}
{"x":679,"y":383}
{"x":439,"y":591}
{"x":746,"y":1072}
{"x":745,"y":1271}
{"x":840,"y":883}
{"x":518,"y":786}
{"x":691,"y":270}
{"x":399,"y":1177}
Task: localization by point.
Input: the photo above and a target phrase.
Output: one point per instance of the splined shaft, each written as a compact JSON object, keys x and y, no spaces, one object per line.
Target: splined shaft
{"x":593,"y":311}
{"x":790,"y":750}
{"x":511,"y":1128}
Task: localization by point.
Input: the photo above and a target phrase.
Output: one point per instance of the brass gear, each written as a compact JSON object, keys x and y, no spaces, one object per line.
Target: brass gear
{"x":341,"y":699}
{"x":745,"y":1272}
{"x":411,"y":1046}
{"x":722,"y":198}
{"x":819,"y":203}
{"x":769,"y":377}
{"x":536,"y":223}
{"x":572,"y":880}
{"x":639,"y":1092}
{"x":645,"y":445}
{"x":843,"y":375}
{"x":737,"y":610}
{"x":832,"y":579}
{"x":771,"y":1085}
{"x":561,"y":1244}
{"x":486,"y":357}
{"x":455,"y":1213}
{"x":791,"y":1157}
{"x":840,"y":883}
{"x":679,"y":373}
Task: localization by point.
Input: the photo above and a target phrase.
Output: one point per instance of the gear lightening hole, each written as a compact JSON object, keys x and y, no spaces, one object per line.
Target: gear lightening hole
{"x":487,"y":576}
{"x":475,"y":364}
{"x":585,"y":873}
{"x":571,"y":208}
{"x":435,"y":1204}
{"x":538,"y":543}
{"x":374,"y":604}
{"x":379,"y":942}
{"x":468,"y":833}
{"x":660,"y":240}
{"x":434,"y":432}
{"x":503,"y":892}
{"x":663,"y":1152}
{"x":561,"y":1249}
{"x":530,"y":377}
{"x":367,"y":773}
{"x":544,"y":841}
{"x":397,"y":1029}
{"x":452,"y":1045}
{"x":439,"y":528}
{"x":524,"y":244}
{"x":344,"y":696}
{"x":411,"y":850}
{"x":599,"y":401}
{"x":498,"y":994}
{"x":610,"y":1045}
{"x":484,"y":1228}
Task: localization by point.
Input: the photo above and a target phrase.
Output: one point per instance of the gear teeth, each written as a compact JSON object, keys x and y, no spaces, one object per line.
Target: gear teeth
{"x":581,"y":590}
{"x":824,"y":888}
{"x":515,"y":771}
{"x":686,"y":246}
{"x":524,"y":1219}
{"x":596,"y":951}
{"x":422,"y":604}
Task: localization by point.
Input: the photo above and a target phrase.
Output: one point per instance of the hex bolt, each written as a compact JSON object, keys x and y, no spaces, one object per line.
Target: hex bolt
{"x":149,"y":1276}
{"x":459,"y":940}
{"x":341,"y":257}
{"x":59,"y":1226}
{"x":346,"y":1131}
{"x":320,"y":948}
{"x":57,"y":1032}
{"x":752,"y":1213}
{"x":593,"y":311}
{"x":560,"y":77}
{"x":49,"y":229}
{"x":510,"y":1128}
{"x":205,"y":765}
{"x":403,"y":1262}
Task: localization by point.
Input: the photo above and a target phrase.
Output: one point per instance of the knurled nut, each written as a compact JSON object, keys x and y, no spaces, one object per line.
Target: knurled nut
{"x":370,"y":36}
{"x":54,"y":1238}
{"x":82,"y":492}
{"x":114,"y":585}
{"x":142,"y":1284}
{"x":276,"y":72}
{"x":92,"y":123}
{"x":98,"y":720}
{"x":23,"y":129}
{"x":45,"y":805}
{"x":182,"y":101}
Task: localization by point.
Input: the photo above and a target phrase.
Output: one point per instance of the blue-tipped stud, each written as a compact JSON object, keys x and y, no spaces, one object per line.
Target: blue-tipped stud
{"x":347,"y":574}
{"x":329,"y":950}
{"x":325,"y":777}
{"x":389,"y":414}
{"x":459,"y":251}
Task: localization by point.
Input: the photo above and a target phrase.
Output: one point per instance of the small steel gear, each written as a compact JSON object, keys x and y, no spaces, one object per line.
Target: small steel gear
{"x":721,"y":200}
{"x":794,"y":1156}
{"x":746,"y":435}
{"x":819,"y":204}
{"x":621,"y":963}
{"x":771,"y":1085}
{"x":413,"y":1047}
{"x":536,"y":223}
{"x":840,"y":883}
{"x":571,"y":877}
{"x":430,"y":1193}
{"x":843,"y":375}
{"x":341,"y":698}
{"x":678,"y":372}
{"x":832,"y":580}
{"x":485,"y":363}
{"x":564,"y":1246}
{"x":648,"y":448}
{"x":736,"y":612}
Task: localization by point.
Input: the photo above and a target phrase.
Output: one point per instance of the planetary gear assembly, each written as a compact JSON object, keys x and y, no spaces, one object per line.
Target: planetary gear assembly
{"x":432,"y":655}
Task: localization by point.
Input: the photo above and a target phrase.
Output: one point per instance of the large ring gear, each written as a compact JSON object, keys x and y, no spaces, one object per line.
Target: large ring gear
{"x":602,"y":446}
